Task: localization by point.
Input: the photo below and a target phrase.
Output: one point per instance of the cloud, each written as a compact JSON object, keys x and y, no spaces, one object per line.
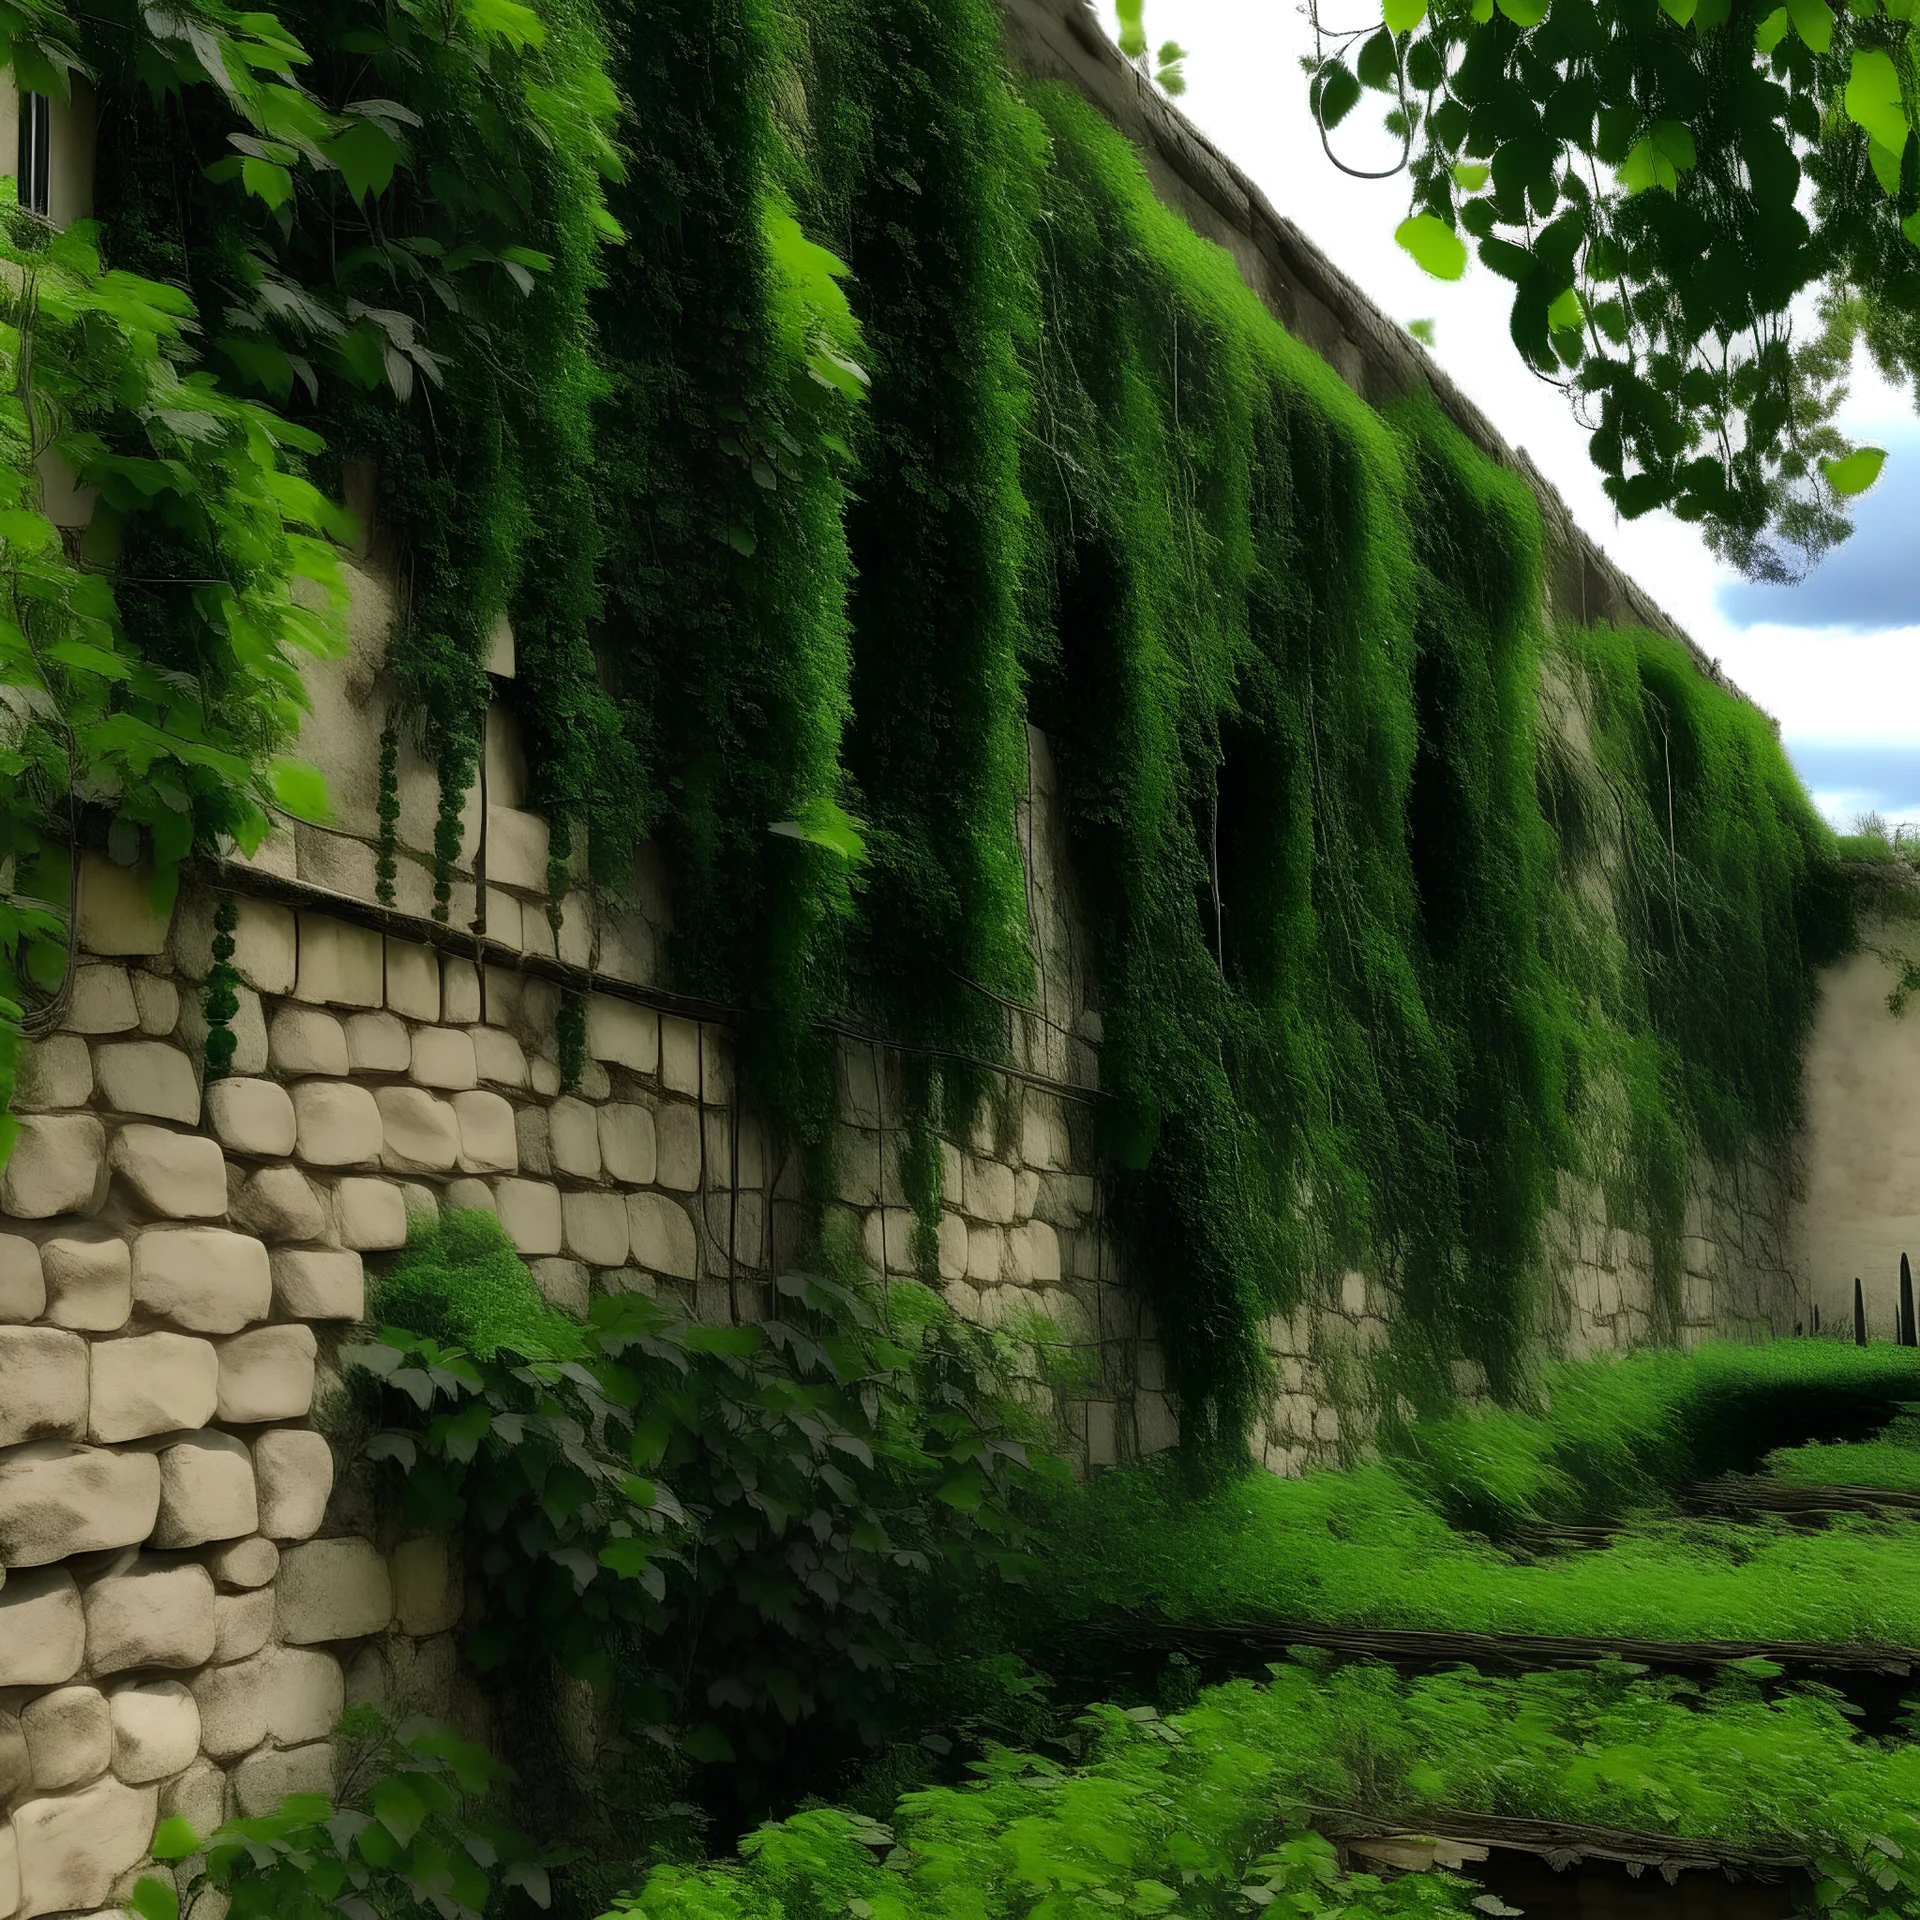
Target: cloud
{"x":1849,"y":778}
{"x":1867,"y":582}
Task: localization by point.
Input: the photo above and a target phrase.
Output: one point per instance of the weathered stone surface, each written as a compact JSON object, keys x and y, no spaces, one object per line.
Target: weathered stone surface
{"x":199,"y":1797}
{"x":158,"y":1003}
{"x":73,"y":1847}
{"x":530,"y":1212}
{"x":371,"y":1215}
{"x":564,"y":1284}
{"x":421,"y":1202}
{"x":545,"y":1075}
{"x":69,"y":1737}
{"x":58,"y":1499}
{"x":55,"y":1167}
{"x":333,"y":1590}
{"x":247,"y":1563}
{"x":242,"y":1624}
{"x":102,"y":1001}
{"x":685,"y":1059}
{"x":626,"y":1143}
{"x":662,"y":1236}
{"x":313,"y":1283}
{"x":426,"y":1585}
{"x":231,"y":1701}
{"x":206,"y":1490}
{"x":23,"y":1286}
{"x":516,"y":849}
{"x":305,"y":1040}
{"x":267,"y":1375}
{"x":158,"y":1613}
{"x":413,"y":980}
{"x":54,"y":1072}
{"x":378,"y":1043}
{"x":594,"y":1227}
{"x":293,"y":1469}
{"x":43,"y":1385}
{"x":147,"y":1077}
{"x":288,"y":1693}
{"x":151,"y":1383}
{"x":676,"y":1132}
{"x":340,"y":965}
{"x":252,"y":1116}
{"x":443,"y":1057}
{"x":573,"y":1134}
{"x":89,"y":1281}
{"x":43,"y":1634}
{"x":202,"y":1278}
{"x":498,"y":1057}
{"x":459,"y":992}
{"x":264,"y":945}
{"x":117,"y":914}
{"x":422,"y":1135}
{"x":263,"y":1780}
{"x":338,"y":1124}
{"x":622,"y":1034}
{"x":180,"y":1176}
{"x":248,"y":1027}
{"x":487,"y":1140}
{"x":16,"y":1770}
{"x":531,"y":1141}
{"x":279,"y":1203}
{"x":471,"y":1195}
{"x":156,"y":1729}
{"x":9,"y":1872}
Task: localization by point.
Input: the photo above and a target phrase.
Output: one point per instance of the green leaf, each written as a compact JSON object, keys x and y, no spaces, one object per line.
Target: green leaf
{"x":155,"y":1899}
{"x":1338,"y":94}
{"x":708,"y":1745}
{"x":1658,"y":158}
{"x":266,"y":181}
{"x":1524,"y":13}
{"x":366,"y":155}
{"x":398,"y":1808}
{"x":1133,"y":27}
{"x":1680,"y":12}
{"x":1470,"y":175}
{"x":1569,"y":311}
{"x":1434,"y":245}
{"x":1402,"y":16}
{"x":823,"y":823}
{"x":1856,"y":471}
{"x":299,"y":789}
{"x":1813,"y":22}
{"x":1771,"y":31}
{"x":174,"y":1839}
{"x":1873,"y":98}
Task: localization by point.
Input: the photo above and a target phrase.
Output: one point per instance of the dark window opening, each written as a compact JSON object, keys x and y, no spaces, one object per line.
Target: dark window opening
{"x":36,"y":130}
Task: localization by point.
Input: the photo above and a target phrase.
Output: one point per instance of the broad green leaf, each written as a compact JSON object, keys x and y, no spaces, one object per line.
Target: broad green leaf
{"x":366,"y":155}
{"x":267,"y":181}
{"x":299,"y":789}
{"x":1402,"y":16}
{"x":155,"y":1899}
{"x":1339,"y":93}
{"x":1856,"y":471}
{"x":1886,"y":168}
{"x":708,"y":1745}
{"x":1680,"y":12}
{"x":1470,"y":175}
{"x":398,"y":1808}
{"x":1813,"y":22}
{"x":1524,"y":13}
{"x":1569,"y":311}
{"x":174,"y":1839}
{"x":1434,"y":245}
{"x":520,"y":27}
{"x":1771,"y":31}
{"x":1873,"y":98}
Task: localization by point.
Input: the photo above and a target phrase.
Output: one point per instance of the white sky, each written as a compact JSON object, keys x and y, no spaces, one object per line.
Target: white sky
{"x":1830,"y":689}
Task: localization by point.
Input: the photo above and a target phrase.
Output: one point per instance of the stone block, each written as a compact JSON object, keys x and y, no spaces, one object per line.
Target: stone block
{"x":955,"y":1245}
{"x":54,"y":1072}
{"x":23,"y":1284}
{"x":459,"y":992}
{"x":152,"y":1383}
{"x":16,"y":1770}
{"x":43,"y":1633}
{"x":206,"y":1490}
{"x":444,"y":1057}
{"x":498,"y":1057}
{"x":293,"y":1470}
{"x":43,"y":1385}
{"x":179,"y":1176}
{"x":283,"y":1693}
{"x":886,"y":1235}
{"x":487,"y":1140}
{"x":421,"y":1202}
{"x":529,"y":1210}
{"x":9,"y":1872}
{"x":158,"y":1003}
{"x":340,"y":965}
{"x":263,"y":1780}
{"x":1036,"y":1253}
{"x":199,"y":1797}
{"x":573,"y":1137}
{"x":147,"y":1077}
{"x":413,"y":980}
{"x":102,"y":1001}
{"x":267,"y":1375}
{"x":333,"y":1590}
{"x":55,"y":1167}
{"x":279,"y":1203}
{"x":563,"y":1284}
{"x":472,"y":1196}
{"x":247,"y":1563}
{"x":627,"y":1143}
{"x":242,"y":1624}
{"x":987,"y":1191}
{"x":685,"y":1057}
{"x":155,"y":1729}
{"x":622,"y":1034}
{"x":204,"y":1279}
{"x":312,"y":1283}
{"x":594,"y":1227}
{"x":248,"y":1027}
{"x":422,"y":1136}
{"x":58,"y":1499}
{"x":532,"y":1140}
{"x":74,"y":1846}
{"x":426,"y":1585}
{"x":69,"y":1737}
{"x":118,"y":918}
{"x":662,"y":1236}
{"x":158,"y":1613}
{"x":252,"y":1116}
{"x":516,"y":849}
{"x":545,"y":1075}
{"x":676,"y":1132}
{"x":377,"y":1043}
{"x":371,"y":1215}
{"x":264,"y":944}
{"x":305,"y":1040}
{"x":337,"y":1123}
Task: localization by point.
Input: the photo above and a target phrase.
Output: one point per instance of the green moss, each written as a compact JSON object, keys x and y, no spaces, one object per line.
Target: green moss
{"x":461,"y":1282}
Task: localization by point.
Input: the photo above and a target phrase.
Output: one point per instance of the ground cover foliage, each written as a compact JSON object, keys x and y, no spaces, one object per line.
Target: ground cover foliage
{"x":822,"y":405}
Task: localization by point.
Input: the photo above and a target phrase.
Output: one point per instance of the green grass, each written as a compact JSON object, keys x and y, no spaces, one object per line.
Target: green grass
{"x":1890,"y":1463}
